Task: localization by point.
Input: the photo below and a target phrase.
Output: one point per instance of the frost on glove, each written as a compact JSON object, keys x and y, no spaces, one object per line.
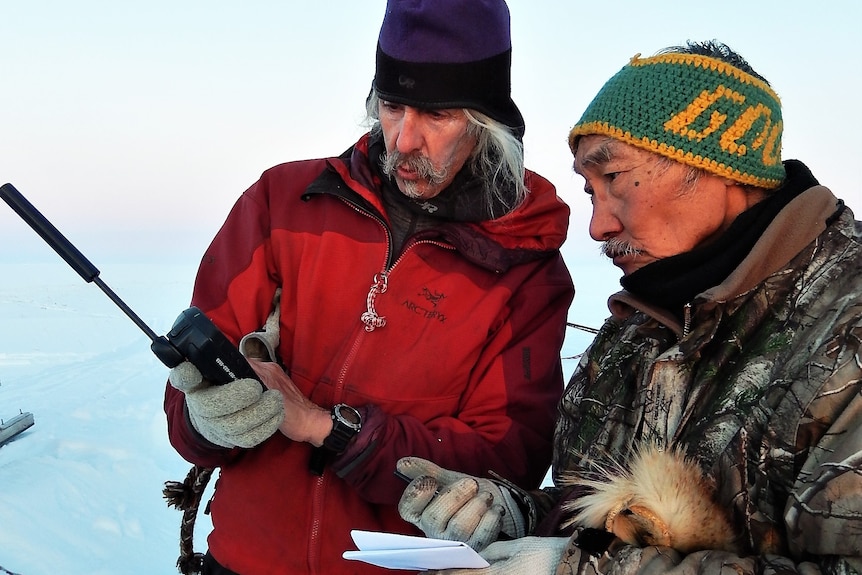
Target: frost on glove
{"x":449,"y":505}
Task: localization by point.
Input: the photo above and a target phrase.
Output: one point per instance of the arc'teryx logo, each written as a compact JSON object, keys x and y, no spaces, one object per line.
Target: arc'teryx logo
{"x":429,"y":310}
{"x":433,"y":297}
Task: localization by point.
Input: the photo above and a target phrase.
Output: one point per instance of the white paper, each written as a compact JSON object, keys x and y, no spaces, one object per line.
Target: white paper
{"x":394,"y":551}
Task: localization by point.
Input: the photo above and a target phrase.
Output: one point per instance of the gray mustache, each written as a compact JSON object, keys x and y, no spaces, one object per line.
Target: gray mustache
{"x":613,"y":248}
{"x":420,"y":164}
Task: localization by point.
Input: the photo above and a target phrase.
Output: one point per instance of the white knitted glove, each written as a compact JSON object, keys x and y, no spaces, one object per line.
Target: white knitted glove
{"x":533,"y":555}
{"x":237,"y":414}
{"x":449,"y":505}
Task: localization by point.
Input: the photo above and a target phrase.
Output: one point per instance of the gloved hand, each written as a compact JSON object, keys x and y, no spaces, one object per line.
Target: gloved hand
{"x":533,"y":555}
{"x":449,"y":505}
{"x":237,"y":414}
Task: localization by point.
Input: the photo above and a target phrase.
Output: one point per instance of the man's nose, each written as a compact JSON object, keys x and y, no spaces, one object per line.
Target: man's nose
{"x":604,"y":225}
{"x":409,"y":132}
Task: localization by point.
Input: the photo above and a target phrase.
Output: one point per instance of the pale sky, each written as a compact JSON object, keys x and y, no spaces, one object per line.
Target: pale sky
{"x":135,"y":125}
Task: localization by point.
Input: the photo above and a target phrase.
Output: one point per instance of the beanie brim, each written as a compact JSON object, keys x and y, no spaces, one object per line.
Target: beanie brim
{"x":451,"y":85}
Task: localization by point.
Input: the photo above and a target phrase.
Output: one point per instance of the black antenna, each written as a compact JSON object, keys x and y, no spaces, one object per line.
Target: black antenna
{"x":70,"y":253}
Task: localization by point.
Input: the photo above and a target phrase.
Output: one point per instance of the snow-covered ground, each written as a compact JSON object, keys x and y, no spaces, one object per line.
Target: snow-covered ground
{"x":81,"y":490}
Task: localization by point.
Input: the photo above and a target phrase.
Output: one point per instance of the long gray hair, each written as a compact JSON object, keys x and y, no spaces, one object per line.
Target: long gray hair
{"x":498,"y":157}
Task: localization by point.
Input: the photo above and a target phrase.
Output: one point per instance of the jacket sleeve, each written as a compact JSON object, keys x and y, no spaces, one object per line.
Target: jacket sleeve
{"x":630,"y":560}
{"x":235,"y":262}
{"x":821,"y":527}
{"x":823,"y":515}
{"x":521,"y":452}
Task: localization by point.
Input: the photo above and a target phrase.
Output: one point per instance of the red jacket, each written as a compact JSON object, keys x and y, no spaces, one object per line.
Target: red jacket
{"x":466,"y":371}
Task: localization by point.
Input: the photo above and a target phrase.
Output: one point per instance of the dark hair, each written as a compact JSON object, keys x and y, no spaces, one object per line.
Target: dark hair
{"x":717,"y":50}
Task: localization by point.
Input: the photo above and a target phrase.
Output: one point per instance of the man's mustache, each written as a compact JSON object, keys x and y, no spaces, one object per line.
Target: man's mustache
{"x":614,"y":248}
{"x":415,"y":162}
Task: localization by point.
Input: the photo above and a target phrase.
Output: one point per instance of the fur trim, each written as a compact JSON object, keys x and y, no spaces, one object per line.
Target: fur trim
{"x":661,"y":497}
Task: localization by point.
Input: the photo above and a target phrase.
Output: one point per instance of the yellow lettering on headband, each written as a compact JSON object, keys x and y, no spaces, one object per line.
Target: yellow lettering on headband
{"x":680,"y":123}
{"x":772,"y":150}
{"x":728,"y":141}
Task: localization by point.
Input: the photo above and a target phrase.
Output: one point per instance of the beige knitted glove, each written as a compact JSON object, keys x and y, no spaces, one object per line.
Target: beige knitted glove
{"x":237,"y":414}
{"x":450,"y":505}
{"x":533,"y":555}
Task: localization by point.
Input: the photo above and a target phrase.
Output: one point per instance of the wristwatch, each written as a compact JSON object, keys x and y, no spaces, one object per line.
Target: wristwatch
{"x":346,"y":423}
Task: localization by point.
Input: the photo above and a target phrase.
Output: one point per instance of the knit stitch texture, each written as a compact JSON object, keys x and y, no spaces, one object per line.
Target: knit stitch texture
{"x":695,"y":109}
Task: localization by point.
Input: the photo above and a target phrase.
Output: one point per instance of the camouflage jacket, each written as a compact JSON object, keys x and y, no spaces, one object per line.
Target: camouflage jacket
{"x":763,"y":387}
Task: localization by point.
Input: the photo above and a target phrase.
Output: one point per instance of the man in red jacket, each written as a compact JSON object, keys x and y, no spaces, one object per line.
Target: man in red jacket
{"x":414,"y":299}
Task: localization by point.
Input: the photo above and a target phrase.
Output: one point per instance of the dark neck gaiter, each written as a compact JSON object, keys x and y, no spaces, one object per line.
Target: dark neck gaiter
{"x":672,"y":282}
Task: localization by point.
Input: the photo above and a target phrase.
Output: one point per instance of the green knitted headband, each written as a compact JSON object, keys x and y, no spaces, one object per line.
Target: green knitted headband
{"x":694,"y":109}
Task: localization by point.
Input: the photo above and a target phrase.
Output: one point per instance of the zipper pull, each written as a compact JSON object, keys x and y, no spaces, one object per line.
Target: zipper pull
{"x":370,"y":318}
{"x":686,"y":312}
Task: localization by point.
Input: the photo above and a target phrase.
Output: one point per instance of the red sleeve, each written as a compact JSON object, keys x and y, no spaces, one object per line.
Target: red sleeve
{"x":241,"y":245}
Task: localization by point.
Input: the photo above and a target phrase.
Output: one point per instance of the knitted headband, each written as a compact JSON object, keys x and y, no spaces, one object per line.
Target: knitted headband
{"x":697,"y":110}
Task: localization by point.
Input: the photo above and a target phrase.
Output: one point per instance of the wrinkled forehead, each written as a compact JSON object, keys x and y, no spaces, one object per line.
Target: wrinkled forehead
{"x":596,"y":150}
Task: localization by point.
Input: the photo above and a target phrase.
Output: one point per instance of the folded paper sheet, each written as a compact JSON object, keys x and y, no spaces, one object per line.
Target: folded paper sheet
{"x":412,"y":553}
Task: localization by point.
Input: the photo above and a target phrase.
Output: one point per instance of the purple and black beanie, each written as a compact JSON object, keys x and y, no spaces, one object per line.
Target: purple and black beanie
{"x":448,"y":54}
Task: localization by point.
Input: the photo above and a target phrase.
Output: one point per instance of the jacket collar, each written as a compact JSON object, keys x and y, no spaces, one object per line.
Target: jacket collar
{"x":533,"y":230}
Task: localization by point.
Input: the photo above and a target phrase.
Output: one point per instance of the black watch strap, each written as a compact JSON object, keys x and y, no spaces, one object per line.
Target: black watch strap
{"x":346,"y":423}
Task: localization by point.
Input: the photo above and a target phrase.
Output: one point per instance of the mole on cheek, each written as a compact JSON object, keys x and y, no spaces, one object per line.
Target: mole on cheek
{"x":637,"y":183}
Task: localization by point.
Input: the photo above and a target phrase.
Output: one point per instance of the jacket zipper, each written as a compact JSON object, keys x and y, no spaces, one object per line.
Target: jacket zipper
{"x":378,"y":286}
{"x":370,"y":317}
{"x":686,"y":324}
{"x":321,"y":482}
{"x":380,"y":281}
{"x":372,"y":321}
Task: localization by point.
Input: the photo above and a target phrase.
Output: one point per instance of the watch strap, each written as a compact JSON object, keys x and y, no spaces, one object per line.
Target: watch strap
{"x":346,"y":423}
{"x":344,"y":428}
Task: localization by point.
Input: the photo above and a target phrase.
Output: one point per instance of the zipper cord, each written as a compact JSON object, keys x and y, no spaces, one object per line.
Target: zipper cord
{"x":370,"y":317}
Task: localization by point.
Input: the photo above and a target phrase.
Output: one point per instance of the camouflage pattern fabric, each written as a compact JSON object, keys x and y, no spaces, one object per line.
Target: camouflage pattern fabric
{"x":764,"y":389}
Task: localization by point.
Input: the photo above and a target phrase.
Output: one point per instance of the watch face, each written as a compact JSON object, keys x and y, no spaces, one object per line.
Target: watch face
{"x":348,"y":415}
{"x":346,"y":423}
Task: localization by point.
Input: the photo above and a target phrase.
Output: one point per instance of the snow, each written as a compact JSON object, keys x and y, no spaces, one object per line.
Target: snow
{"x":81,"y":490}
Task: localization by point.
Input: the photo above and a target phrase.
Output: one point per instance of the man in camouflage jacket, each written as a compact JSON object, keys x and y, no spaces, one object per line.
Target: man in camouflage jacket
{"x":741,"y":352}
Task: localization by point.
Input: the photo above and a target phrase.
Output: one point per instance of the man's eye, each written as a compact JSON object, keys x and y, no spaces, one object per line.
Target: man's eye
{"x":612,"y":175}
